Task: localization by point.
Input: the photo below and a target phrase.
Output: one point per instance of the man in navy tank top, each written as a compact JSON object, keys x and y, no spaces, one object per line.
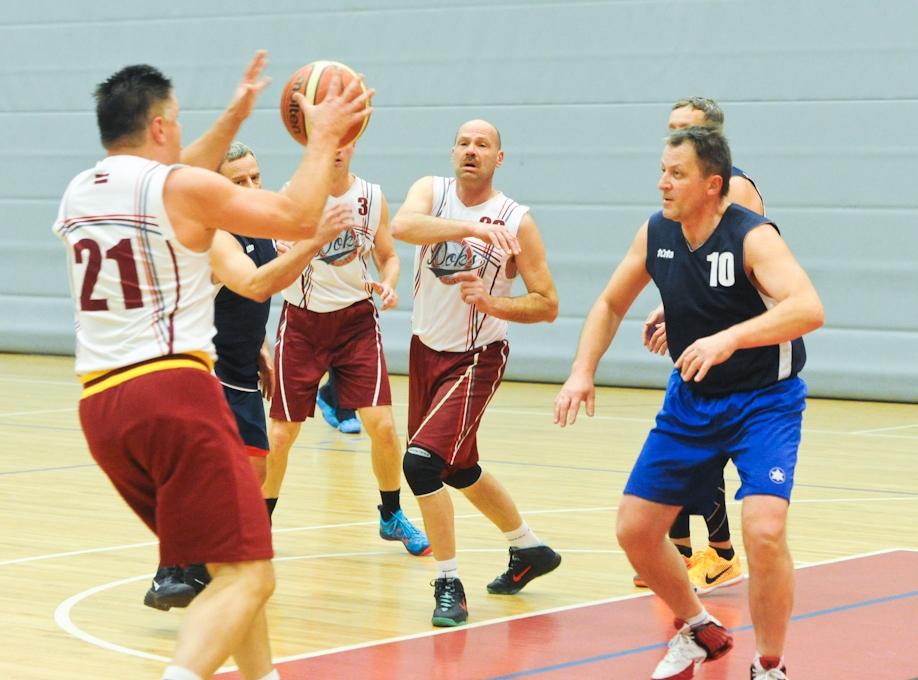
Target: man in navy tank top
{"x":737,"y":303}
{"x":718,"y":565}
{"x":247,"y":272}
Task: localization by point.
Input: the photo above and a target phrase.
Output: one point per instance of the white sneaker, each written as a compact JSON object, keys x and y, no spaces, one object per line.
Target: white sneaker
{"x":685,"y":655}
{"x":756,"y":672}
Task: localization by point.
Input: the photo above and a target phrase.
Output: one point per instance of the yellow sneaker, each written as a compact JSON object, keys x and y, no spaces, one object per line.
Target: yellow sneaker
{"x":641,"y":583}
{"x":710,"y":571}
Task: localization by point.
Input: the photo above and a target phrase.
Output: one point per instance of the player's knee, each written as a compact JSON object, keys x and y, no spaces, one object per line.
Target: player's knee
{"x":764,"y":534}
{"x":464,"y":478}
{"x":259,"y":579}
{"x":423,"y":470}
{"x":282,"y":434}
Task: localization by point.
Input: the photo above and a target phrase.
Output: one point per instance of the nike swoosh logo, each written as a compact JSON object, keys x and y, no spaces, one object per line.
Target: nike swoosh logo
{"x":518,"y":577}
{"x":710,"y":580}
{"x":155,"y":585}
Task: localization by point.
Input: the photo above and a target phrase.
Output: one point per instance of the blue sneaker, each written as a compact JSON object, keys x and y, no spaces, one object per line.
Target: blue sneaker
{"x":400,"y":528}
{"x":328,"y":411}
{"x":350,"y":425}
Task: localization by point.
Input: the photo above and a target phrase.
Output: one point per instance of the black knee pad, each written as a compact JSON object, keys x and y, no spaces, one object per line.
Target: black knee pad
{"x":423,"y":470}
{"x":461,"y":479}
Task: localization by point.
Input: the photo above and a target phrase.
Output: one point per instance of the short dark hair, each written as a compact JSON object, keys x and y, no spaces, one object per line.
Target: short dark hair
{"x":711,"y":148}
{"x":713,"y":114}
{"x":124,"y":102}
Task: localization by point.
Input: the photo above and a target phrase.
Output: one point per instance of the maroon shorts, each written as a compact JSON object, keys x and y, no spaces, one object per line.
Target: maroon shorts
{"x":447,"y":395}
{"x":309,"y":343}
{"x":169,"y":444}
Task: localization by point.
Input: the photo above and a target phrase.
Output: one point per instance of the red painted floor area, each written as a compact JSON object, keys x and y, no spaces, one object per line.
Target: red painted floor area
{"x":855,"y":618}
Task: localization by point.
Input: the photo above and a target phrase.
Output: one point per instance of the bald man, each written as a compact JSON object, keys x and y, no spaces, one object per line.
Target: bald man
{"x":472,"y":241}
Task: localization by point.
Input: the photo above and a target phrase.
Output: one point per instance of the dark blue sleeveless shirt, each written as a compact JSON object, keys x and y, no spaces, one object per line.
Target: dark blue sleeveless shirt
{"x":738,"y":172}
{"x":241,"y":324}
{"x":706,"y":291}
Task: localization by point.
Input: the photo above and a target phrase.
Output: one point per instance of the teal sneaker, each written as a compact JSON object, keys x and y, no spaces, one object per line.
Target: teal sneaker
{"x":328,"y":411}
{"x":349,"y":425}
{"x":400,"y":528}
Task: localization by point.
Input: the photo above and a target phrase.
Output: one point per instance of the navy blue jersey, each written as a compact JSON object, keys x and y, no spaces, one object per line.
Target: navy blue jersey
{"x":241,"y":324}
{"x":738,"y":172}
{"x":707,"y":290}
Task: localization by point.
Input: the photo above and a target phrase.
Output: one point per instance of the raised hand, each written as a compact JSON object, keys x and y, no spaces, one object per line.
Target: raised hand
{"x":250,"y":87}
{"x":340,"y":110}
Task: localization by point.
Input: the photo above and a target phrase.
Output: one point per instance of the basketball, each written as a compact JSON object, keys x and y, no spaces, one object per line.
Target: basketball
{"x":312,"y":82}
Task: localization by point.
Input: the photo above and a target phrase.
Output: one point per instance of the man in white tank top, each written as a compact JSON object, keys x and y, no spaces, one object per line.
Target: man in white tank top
{"x":138,"y":227}
{"x":472,"y":241}
{"x":329,"y":321}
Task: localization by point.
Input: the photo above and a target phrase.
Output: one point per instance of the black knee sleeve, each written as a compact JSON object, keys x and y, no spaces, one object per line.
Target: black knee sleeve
{"x":423,"y":470}
{"x":461,"y":479}
{"x":680,"y":527}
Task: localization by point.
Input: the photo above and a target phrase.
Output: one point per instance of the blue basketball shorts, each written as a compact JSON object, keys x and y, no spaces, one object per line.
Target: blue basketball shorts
{"x":249,"y":410}
{"x":684,"y":455}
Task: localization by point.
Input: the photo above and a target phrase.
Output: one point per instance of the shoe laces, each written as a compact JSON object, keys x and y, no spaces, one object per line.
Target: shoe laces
{"x":683,"y":646}
{"x":445,"y":592}
{"x":403,"y":527}
{"x":770,"y":674}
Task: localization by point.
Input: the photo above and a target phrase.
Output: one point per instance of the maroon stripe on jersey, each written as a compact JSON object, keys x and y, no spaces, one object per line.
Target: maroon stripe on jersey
{"x":178,"y":296}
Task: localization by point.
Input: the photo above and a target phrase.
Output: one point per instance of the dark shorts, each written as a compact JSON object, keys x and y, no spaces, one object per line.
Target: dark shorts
{"x":683,"y":457}
{"x":249,"y":410}
{"x":168,"y":442}
{"x":447,"y":395}
{"x":309,"y":343}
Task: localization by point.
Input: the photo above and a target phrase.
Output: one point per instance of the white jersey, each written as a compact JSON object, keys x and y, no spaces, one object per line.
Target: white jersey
{"x":441,"y":319}
{"x":139,"y":293}
{"x":339,"y":275}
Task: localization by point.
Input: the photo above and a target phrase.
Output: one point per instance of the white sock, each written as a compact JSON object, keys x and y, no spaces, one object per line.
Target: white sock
{"x":179,"y":673}
{"x":522,"y":537}
{"x":273,"y":675}
{"x":699,"y":619}
{"x":448,"y":568}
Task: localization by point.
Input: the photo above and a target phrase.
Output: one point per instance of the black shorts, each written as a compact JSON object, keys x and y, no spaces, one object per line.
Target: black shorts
{"x":249,"y":410}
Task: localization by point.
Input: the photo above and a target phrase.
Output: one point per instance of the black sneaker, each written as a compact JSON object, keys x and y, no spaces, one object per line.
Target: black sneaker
{"x":525,"y":565}
{"x":169,"y":590}
{"x":451,"y":609}
{"x":197,"y":577}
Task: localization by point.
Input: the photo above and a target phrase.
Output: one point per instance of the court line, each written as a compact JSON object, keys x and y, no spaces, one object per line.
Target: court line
{"x":741,"y":629}
{"x":474,"y":515}
{"x":36,"y":412}
{"x":885,"y":429}
{"x":49,"y":469}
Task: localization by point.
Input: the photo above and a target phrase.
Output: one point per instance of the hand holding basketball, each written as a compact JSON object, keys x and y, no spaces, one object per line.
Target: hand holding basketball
{"x":326,"y":97}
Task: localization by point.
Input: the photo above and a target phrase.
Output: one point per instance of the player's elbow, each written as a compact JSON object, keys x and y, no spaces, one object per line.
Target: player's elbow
{"x":817,"y":313}
{"x":397,"y":228}
{"x":551,"y":308}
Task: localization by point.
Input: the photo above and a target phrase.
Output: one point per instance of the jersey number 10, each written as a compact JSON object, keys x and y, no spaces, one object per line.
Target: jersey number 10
{"x":721,"y":269}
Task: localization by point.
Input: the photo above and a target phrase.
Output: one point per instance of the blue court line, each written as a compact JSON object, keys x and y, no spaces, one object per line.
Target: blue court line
{"x":661,"y":645}
{"x":49,"y":469}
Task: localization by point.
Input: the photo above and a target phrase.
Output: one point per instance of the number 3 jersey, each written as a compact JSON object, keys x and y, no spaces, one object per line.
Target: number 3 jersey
{"x":706,"y":290}
{"x":139,"y":293}
{"x":339,"y":276}
{"x":440,"y":318}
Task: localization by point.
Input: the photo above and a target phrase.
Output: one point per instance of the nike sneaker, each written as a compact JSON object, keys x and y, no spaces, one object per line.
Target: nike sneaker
{"x":451,"y":609}
{"x":710,"y":571}
{"x":690,"y":648}
{"x":399,"y":528}
{"x":197,"y":576}
{"x":169,"y":590}
{"x":767,"y":668}
{"x":525,"y":565}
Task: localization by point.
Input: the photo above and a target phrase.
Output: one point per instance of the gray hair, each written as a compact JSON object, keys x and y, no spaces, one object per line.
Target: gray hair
{"x":713,"y":114}
{"x":236,"y":151}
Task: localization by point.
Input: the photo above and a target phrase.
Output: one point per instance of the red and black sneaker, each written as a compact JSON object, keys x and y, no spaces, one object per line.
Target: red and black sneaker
{"x":525,"y":565}
{"x":690,"y":648}
{"x":768,"y":668}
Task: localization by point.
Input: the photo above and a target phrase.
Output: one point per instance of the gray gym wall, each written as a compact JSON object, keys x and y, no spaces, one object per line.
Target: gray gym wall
{"x":820,"y":100}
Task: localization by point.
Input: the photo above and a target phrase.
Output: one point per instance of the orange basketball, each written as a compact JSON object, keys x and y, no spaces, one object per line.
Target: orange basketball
{"x":312,"y":82}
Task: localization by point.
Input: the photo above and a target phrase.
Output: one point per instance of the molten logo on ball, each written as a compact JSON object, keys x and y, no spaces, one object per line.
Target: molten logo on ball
{"x":449,"y":258}
{"x":343,"y":249}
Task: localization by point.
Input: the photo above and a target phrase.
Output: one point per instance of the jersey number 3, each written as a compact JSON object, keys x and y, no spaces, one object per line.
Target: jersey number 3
{"x":123,"y":254}
{"x":721,"y":269}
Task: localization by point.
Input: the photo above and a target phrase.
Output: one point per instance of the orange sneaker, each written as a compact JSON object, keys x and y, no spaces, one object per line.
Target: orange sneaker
{"x":710,"y":571}
{"x":641,"y":583}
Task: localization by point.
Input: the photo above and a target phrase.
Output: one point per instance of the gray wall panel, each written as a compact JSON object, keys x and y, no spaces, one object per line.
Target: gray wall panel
{"x":820,"y":102}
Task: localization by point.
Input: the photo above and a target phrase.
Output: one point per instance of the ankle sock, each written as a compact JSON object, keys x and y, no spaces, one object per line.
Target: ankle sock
{"x":522,"y":537}
{"x":448,"y":568}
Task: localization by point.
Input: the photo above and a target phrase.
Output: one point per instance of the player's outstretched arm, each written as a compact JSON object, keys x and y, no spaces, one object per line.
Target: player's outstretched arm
{"x":235,"y":270}
{"x":798,"y":310}
{"x":599,"y":329}
{"x":210,"y":148}
{"x":413,"y":223}
{"x":386,"y":260}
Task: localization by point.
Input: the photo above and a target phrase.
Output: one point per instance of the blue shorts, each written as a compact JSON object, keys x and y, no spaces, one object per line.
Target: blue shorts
{"x":249,"y":410}
{"x":684,"y":455}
